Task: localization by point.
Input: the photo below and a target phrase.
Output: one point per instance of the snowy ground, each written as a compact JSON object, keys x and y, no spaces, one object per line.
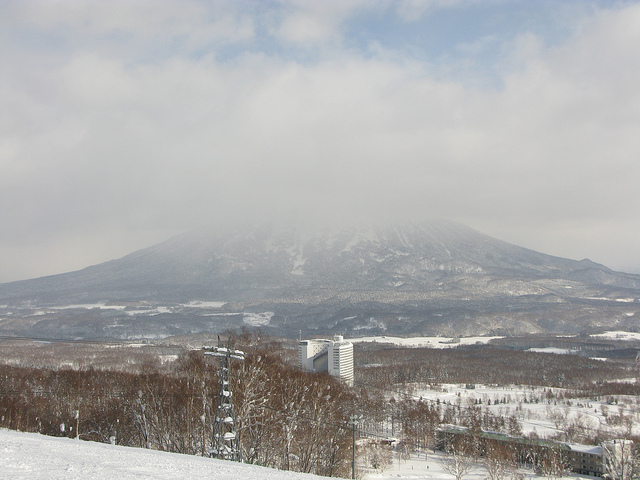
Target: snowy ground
{"x":431,"y":468}
{"x":37,"y":457}
{"x":618,"y":335}
{"x":429,"y":342}
{"x":541,"y":417}
{"x":33,"y":456}
{"x":544,"y":417}
{"x":448,"y":342}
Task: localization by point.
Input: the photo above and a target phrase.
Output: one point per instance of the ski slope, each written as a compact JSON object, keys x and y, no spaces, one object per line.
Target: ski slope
{"x":37,"y":457}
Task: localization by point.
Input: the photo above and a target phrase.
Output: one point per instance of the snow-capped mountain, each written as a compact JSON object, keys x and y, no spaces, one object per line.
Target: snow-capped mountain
{"x":432,"y":277}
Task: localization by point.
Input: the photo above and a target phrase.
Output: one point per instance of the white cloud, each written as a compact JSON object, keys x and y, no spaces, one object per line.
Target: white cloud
{"x":414,"y":10}
{"x":141,"y":30}
{"x":95,"y":142}
{"x":308,"y":22}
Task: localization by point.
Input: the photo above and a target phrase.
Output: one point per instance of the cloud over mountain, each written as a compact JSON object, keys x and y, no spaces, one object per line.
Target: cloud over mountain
{"x":122,"y":125}
{"x":435,"y":277}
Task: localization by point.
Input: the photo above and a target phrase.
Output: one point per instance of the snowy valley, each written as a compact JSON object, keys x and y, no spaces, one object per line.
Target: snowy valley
{"x":161,"y":395}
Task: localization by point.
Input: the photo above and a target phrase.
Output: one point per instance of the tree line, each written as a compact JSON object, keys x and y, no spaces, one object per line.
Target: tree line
{"x":487,"y":365}
{"x":287,"y":419}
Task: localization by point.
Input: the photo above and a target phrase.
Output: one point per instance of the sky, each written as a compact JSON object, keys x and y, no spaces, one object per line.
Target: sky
{"x":123,"y":123}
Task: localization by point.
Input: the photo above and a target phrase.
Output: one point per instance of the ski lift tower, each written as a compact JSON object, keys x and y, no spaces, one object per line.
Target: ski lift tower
{"x":225,"y":439}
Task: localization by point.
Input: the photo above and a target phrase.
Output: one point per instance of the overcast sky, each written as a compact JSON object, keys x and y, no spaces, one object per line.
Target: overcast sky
{"x":124,"y":122}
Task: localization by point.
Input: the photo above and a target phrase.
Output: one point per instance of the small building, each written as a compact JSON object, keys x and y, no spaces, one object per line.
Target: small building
{"x":580,"y":459}
{"x":586,"y":459}
{"x":332,"y":356}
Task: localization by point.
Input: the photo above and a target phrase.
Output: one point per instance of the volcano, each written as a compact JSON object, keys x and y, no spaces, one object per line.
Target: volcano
{"x":436,"y":277}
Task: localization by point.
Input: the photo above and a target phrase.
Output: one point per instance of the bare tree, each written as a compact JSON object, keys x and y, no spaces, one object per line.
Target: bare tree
{"x":376,"y":455}
{"x":621,"y":460}
{"x":552,"y":463}
{"x":458,"y":462}
{"x":499,"y":460}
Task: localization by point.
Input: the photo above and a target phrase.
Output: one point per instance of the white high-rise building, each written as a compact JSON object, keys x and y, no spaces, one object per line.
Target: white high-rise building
{"x":333,"y":356}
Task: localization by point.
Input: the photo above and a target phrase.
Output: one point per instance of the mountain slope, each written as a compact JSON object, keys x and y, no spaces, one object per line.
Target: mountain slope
{"x":412,"y":278}
{"x":34,"y":456}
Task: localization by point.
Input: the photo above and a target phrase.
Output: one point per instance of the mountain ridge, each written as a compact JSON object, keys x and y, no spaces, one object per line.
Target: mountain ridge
{"x":427,"y":277}
{"x":242,"y":248}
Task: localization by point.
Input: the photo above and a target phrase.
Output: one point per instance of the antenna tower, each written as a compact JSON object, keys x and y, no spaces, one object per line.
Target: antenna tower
{"x":225,"y":438}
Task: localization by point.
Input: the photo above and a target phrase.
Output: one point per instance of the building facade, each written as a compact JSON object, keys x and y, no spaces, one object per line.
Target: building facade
{"x":332,"y":356}
{"x":539,"y":453}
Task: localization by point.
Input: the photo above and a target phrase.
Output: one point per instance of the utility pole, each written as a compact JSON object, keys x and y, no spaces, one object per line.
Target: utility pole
{"x":354,"y":421}
{"x":225,"y":438}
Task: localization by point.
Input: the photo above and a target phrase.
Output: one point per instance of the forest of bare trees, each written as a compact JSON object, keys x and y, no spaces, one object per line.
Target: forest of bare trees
{"x":403,"y":365}
{"x":287,"y":418}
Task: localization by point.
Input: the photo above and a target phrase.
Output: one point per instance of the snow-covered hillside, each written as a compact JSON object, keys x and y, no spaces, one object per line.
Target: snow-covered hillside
{"x":429,"y":278}
{"x":37,"y":457}
{"x":426,"y":342}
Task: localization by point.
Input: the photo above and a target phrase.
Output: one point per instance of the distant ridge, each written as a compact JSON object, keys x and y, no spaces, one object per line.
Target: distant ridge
{"x":436,"y":276}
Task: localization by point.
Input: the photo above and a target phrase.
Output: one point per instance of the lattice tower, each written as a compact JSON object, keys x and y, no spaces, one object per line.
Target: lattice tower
{"x":225,"y":443}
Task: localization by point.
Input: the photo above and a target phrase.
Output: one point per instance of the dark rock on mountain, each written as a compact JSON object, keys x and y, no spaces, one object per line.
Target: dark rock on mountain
{"x":437,"y":277}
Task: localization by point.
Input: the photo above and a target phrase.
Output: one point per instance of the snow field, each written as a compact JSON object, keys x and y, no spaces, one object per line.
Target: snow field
{"x":37,"y":457}
{"x":542,"y":417}
{"x":429,"y":342}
